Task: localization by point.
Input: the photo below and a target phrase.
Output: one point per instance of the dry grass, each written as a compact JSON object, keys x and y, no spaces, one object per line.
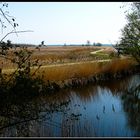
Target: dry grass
{"x":55,"y":55}
{"x":118,"y":65}
{"x":57,"y":73}
{"x":64,"y":72}
{"x":66,"y":55}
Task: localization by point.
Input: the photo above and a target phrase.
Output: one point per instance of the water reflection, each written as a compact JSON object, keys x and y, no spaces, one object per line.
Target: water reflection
{"x":19,"y":114}
{"x":101,"y":109}
{"x":131,"y":105}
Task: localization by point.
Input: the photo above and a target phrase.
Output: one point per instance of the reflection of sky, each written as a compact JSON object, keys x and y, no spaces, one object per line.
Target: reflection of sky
{"x":94,"y":121}
{"x":111,"y":122}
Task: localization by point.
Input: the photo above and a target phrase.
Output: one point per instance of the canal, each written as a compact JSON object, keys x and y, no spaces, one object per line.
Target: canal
{"x":106,"y":109}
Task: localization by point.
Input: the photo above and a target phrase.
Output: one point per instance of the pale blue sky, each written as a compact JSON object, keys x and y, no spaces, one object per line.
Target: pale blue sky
{"x":67,"y":22}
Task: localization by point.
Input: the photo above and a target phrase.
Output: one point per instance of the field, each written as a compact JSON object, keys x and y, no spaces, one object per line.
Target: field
{"x":66,"y":54}
{"x":57,"y":55}
{"x":66,"y":62}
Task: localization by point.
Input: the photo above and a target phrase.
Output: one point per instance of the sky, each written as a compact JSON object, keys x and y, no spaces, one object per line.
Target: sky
{"x":67,"y":22}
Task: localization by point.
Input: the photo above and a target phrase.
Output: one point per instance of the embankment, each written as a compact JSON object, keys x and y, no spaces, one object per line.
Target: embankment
{"x":82,"y":74}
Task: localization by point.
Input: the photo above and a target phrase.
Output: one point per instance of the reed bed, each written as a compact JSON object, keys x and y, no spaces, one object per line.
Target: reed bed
{"x":64,"y":72}
{"x":119,"y":64}
{"x":85,"y":69}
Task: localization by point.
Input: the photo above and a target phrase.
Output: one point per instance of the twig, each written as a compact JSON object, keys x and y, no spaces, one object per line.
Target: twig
{"x":14,"y":32}
{"x":7,"y":19}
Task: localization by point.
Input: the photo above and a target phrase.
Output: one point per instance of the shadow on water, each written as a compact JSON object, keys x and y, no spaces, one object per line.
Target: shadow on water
{"x":101,"y":109}
{"x":131,"y":105}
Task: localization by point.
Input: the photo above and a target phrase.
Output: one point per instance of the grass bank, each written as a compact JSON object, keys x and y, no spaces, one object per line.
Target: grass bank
{"x":66,"y":74}
{"x":85,"y":69}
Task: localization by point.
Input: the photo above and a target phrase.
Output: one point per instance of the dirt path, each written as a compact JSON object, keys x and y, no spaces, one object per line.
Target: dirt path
{"x":105,"y":49}
{"x":59,"y":65}
{"x":54,"y":65}
{"x":97,"y":51}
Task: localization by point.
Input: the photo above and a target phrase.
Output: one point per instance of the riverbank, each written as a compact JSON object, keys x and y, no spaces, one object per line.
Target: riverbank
{"x":75,"y":72}
{"x":79,"y":82}
{"x":80,"y":75}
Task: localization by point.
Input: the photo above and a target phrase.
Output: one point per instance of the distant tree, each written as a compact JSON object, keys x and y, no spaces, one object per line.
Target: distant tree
{"x":94,"y":44}
{"x":98,"y":44}
{"x":9,"y":43}
{"x":130,"y":39}
{"x":42,"y":43}
{"x":88,"y":43}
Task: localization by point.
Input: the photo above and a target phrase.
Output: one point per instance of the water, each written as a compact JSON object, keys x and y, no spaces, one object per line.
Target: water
{"x":108,"y":109}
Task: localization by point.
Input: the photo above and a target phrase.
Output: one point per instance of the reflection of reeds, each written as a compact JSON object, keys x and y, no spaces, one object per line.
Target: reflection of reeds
{"x":86,"y":93}
{"x":116,"y":86}
{"x":78,"y":129}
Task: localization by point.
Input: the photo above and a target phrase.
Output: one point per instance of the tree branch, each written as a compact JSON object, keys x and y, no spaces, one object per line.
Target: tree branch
{"x":14,"y":32}
{"x":7,"y":19}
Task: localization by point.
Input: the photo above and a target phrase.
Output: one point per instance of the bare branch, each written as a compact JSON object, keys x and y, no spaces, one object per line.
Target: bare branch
{"x":14,"y":32}
{"x":9,"y":16}
{"x":7,"y":19}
